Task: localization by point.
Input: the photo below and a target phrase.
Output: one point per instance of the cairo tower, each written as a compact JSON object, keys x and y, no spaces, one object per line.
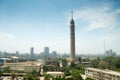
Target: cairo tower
{"x":72,"y":39}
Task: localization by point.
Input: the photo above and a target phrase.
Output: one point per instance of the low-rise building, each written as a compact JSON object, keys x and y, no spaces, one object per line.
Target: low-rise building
{"x":55,"y":74}
{"x":16,"y":66}
{"x":100,"y":74}
{"x":28,"y":66}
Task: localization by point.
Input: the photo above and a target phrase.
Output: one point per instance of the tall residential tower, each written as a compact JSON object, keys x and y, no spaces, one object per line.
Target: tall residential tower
{"x":46,"y":51}
{"x":32,"y":52}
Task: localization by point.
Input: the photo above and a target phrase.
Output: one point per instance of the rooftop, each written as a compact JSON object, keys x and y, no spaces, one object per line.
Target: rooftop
{"x":104,"y":71}
{"x":54,"y":73}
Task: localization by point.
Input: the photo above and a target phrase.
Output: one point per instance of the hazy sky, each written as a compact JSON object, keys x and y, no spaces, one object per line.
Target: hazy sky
{"x":40,"y":23}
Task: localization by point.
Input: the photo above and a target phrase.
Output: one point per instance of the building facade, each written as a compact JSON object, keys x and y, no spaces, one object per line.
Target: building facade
{"x":99,"y":74}
{"x":28,"y":66}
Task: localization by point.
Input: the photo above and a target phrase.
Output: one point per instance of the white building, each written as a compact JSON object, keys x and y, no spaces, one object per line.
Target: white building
{"x":16,"y":66}
{"x":55,"y":74}
{"x":100,"y":74}
{"x":28,"y":66}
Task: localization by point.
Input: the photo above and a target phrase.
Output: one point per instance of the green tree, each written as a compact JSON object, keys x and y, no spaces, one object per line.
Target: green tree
{"x":79,"y":59}
{"x":111,"y":62}
{"x":47,"y":77}
{"x":78,"y":66}
{"x":64,"y":62}
{"x":31,"y":76}
{"x":76,"y":75}
{"x":69,"y":78}
{"x":118,"y":69}
{"x":1,"y":78}
{"x":34,"y":72}
{"x":67,"y":72}
{"x":45,"y":68}
{"x":72,"y":65}
{"x":7,"y":69}
{"x":103,"y":64}
{"x":58,"y":78}
{"x":117,"y":62}
{"x":94,"y":63}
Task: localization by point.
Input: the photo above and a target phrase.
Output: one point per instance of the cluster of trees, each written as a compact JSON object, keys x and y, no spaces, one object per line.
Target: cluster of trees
{"x":59,"y":78}
{"x":31,"y":76}
{"x":71,"y":72}
{"x":112,"y":63}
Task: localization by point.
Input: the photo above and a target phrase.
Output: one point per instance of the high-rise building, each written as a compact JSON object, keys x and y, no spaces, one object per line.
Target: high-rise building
{"x":32,"y":51}
{"x":46,"y":51}
{"x":110,"y":53}
{"x":72,"y":38}
{"x":46,"y":54}
{"x":17,"y":53}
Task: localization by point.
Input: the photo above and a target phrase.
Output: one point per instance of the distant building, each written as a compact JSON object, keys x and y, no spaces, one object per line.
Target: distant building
{"x":32,"y":52}
{"x":17,"y":53}
{"x":99,"y":74}
{"x":46,"y":51}
{"x":53,"y":54}
{"x":110,"y":53}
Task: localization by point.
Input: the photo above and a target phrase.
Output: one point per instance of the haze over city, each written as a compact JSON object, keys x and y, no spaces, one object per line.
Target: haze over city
{"x":40,"y":23}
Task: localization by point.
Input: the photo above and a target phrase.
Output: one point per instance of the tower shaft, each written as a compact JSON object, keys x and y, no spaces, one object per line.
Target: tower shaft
{"x":72,"y":41}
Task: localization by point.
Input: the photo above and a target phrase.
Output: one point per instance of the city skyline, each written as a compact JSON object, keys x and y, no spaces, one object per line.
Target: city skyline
{"x":39,"y":23}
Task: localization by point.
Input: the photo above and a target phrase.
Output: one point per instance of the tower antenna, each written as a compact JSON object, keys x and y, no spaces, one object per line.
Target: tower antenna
{"x":72,"y":14}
